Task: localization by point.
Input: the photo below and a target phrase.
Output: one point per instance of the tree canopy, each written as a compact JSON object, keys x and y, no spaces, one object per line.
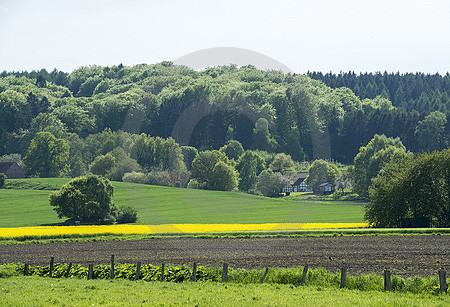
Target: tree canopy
{"x":322,"y":171}
{"x":87,"y":199}
{"x":371,"y":159}
{"x":47,"y":156}
{"x":412,"y":193}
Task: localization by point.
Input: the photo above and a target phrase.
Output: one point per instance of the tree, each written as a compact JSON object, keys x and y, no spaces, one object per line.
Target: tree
{"x":158,"y":152}
{"x":282,"y":163}
{"x":47,"y":156}
{"x":226,"y":178}
{"x":206,"y":169}
{"x":250,"y":165}
{"x":269,"y":183}
{"x":2,"y":180}
{"x":322,"y":171}
{"x":371,"y":159}
{"x":103,"y":165}
{"x":87,"y":199}
{"x":261,"y":136}
{"x":233,"y":149}
{"x":412,"y":192}
{"x":430,"y":132}
{"x":49,"y":123}
{"x":189,"y":154}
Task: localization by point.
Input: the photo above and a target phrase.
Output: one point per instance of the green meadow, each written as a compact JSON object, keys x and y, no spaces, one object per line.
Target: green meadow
{"x":38,"y":291}
{"x":25,"y":203}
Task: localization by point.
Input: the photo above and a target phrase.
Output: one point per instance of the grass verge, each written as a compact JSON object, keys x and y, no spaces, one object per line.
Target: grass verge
{"x":37,"y":291}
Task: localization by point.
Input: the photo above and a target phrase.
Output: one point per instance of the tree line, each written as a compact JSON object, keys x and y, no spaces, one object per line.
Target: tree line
{"x":263,"y":110}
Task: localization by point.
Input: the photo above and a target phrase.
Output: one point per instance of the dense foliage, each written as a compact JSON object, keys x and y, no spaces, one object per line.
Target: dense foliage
{"x":412,"y":193}
{"x":420,"y":92}
{"x":150,"y":123}
{"x":371,"y":159}
{"x":322,"y":171}
{"x":86,"y":199}
{"x":319,"y":277}
{"x":2,"y":180}
{"x":263,"y":110}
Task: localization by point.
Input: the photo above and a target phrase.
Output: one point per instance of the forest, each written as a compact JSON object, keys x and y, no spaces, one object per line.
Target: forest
{"x":148,"y":118}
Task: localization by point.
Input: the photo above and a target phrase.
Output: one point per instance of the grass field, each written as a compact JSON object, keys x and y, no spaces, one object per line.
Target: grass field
{"x":25,"y":206}
{"x":37,"y":291}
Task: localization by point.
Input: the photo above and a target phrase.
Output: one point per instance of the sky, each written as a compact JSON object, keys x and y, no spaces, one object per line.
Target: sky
{"x":319,"y":35}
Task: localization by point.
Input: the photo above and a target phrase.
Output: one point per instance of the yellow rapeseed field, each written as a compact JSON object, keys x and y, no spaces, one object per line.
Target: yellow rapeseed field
{"x":167,"y":228}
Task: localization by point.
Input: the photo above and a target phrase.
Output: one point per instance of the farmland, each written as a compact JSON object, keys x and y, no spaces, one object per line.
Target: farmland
{"x":163,"y":205}
{"x":405,"y":255}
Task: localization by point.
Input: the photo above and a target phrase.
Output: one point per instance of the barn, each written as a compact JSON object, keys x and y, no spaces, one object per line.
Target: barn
{"x":12,"y":170}
{"x":324,"y":188}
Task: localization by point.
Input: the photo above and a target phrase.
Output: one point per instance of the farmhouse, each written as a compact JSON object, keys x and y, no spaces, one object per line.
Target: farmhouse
{"x":324,"y":188}
{"x":12,"y":170}
{"x":297,"y":184}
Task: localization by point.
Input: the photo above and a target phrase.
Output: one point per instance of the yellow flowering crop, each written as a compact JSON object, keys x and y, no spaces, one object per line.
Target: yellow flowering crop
{"x":167,"y":228}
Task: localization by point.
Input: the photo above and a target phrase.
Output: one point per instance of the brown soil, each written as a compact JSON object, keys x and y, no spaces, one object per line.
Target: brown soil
{"x":404,"y":255}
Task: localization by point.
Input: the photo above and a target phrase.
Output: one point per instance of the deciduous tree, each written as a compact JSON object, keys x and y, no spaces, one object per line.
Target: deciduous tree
{"x":47,"y":156}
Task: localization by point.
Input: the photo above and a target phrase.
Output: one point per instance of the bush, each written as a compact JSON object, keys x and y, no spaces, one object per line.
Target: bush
{"x":135,"y":177}
{"x":2,"y":180}
{"x":193,"y":184}
{"x":126,"y":214}
{"x":269,"y":183}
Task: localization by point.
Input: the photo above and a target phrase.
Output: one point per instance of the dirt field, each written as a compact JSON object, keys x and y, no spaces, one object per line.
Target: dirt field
{"x":404,"y":255}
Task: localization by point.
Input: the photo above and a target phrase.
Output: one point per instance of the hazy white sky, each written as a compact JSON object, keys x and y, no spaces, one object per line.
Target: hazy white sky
{"x":320,"y":35}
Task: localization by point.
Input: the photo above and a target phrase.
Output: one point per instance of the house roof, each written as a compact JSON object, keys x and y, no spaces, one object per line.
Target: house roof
{"x":5,"y":166}
{"x":296,"y":179}
{"x":324,"y":184}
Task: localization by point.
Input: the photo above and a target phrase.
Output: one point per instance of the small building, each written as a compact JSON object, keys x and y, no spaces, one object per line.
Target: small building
{"x":12,"y":170}
{"x":324,"y":188}
{"x":297,"y":184}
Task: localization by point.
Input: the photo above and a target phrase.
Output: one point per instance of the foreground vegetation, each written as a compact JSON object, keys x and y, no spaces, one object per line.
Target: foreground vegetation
{"x":318,"y":277}
{"x":26,"y":291}
{"x":165,"y":205}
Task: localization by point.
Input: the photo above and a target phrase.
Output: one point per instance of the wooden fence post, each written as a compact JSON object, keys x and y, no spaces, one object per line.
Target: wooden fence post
{"x":387,"y":280}
{"x":90,"y":271}
{"x":138,"y":271}
{"x":194,"y":272}
{"x":52,"y":260}
{"x":442,"y":282}
{"x":111,"y":273}
{"x":343,"y":277}
{"x":225,"y":272}
{"x":161,"y":277}
{"x":68,"y":270}
{"x":305,"y":272}
{"x":264,"y":276}
{"x":25,"y":270}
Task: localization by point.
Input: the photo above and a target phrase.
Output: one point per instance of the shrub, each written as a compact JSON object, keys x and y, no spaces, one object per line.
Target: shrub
{"x":126,"y":214}
{"x":193,"y":184}
{"x":135,"y":177}
{"x":269,"y":183}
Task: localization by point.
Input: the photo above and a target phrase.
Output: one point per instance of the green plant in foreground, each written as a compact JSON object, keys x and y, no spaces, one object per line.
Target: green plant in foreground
{"x":38,"y":291}
{"x":319,"y":277}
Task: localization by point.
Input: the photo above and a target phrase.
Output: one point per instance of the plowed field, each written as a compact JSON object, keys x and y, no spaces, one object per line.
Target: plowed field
{"x":404,"y":255}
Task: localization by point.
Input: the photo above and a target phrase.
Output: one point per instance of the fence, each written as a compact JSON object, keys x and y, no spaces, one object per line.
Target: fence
{"x":387,"y":278}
